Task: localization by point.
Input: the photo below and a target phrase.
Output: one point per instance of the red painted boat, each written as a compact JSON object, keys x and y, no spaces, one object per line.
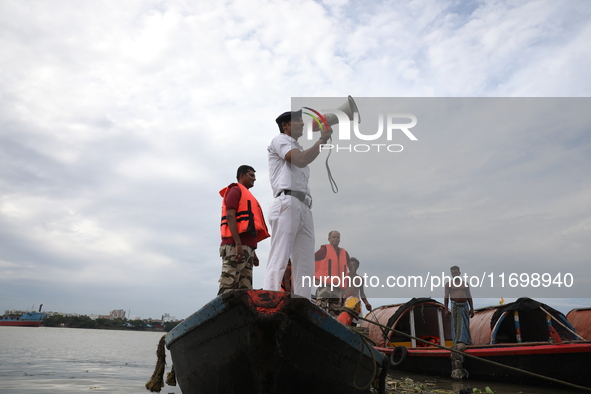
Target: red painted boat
{"x":548,"y":346}
{"x":580,"y":319}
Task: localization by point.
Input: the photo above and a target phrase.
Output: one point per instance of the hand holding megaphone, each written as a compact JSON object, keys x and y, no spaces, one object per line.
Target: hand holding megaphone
{"x":325,"y":134}
{"x":323,"y":121}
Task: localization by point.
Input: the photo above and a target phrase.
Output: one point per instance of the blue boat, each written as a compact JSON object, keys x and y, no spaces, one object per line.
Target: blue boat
{"x":256,"y":341}
{"x":28,"y":319}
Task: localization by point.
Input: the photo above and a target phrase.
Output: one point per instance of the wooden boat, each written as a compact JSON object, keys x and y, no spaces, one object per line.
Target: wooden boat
{"x":420,"y":317}
{"x":547,"y":346}
{"x":255,"y":341}
{"x":524,"y":320}
{"x":580,"y":319}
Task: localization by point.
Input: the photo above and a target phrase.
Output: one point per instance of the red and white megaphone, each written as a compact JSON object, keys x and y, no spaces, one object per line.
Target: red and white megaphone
{"x":349,"y":108}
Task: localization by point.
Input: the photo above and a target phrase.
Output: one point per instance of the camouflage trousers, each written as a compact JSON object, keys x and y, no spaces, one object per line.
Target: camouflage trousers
{"x":235,"y":275}
{"x":330,"y":300}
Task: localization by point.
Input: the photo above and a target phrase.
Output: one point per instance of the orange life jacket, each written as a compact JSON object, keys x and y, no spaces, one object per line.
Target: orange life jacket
{"x":249,"y":216}
{"x":332,"y":265}
{"x":429,"y":338}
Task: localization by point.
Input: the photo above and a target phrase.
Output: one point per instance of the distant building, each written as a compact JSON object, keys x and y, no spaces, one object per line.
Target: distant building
{"x":117,"y":314}
{"x":14,"y":312}
{"x":62,"y":314}
{"x":166,"y":318}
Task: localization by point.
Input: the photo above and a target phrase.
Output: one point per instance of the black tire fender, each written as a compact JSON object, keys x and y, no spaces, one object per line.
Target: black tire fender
{"x":398,"y":356}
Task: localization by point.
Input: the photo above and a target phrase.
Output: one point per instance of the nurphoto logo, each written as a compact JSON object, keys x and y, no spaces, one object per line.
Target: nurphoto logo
{"x":388,"y":127}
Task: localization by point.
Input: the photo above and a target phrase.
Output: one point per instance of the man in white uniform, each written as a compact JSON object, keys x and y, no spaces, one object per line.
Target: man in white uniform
{"x":290,"y":216}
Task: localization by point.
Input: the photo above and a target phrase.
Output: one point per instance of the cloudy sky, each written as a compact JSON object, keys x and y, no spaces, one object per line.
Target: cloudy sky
{"x":121,"y":121}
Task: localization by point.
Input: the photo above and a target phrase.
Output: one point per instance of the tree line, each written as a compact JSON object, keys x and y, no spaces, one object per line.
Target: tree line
{"x":102,"y":323}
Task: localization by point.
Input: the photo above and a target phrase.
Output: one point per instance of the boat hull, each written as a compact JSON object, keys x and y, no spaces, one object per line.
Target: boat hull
{"x":568,"y":362}
{"x":267,"y":342}
{"x":580,"y":319}
{"x":29,"y":319}
{"x":19,"y":323}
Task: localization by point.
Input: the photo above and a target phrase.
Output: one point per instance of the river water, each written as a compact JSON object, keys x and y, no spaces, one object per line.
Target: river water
{"x":68,"y":360}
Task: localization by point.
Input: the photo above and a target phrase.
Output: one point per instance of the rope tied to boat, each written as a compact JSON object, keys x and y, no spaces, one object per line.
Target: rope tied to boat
{"x":353,"y":312}
{"x":476,"y":357}
{"x":373,"y":359}
{"x":562,"y":324}
{"x":171,"y":377}
{"x":369,"y":344}
{"x":156,"y":382}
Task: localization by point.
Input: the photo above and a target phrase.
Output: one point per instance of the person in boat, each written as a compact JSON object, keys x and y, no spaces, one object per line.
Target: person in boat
{"x":331,"y":269}
{"x":290,"y":214}
{"x":242,"y":228}
{"x":355,"y":286}
{"x":462,"y":308}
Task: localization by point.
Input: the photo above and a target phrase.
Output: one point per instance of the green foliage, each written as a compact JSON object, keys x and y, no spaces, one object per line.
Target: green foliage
{"x":138,"y":324}
{"x":118,"y":324}
{"x":87,"y":322}
{"x":69,"y":321}
{"x":171,"y":324}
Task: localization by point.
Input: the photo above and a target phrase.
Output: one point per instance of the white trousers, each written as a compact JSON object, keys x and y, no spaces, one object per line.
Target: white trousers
{"x":292,"y":236}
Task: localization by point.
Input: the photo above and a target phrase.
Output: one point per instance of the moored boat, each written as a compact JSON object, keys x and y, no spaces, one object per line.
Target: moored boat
{"x":543,"y":343}
{"x":255,"y":341}
{"x":525,"y":320}
{"x":580,"y":319}
{"x":28,"y":319}
{"x":420,"y":317}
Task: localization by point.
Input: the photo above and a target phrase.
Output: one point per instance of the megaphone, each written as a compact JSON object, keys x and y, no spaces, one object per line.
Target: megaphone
{"x":349,"y":108}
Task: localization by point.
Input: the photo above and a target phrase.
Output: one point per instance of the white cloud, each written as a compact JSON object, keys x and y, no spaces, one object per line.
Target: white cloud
{"x":120,"y":121}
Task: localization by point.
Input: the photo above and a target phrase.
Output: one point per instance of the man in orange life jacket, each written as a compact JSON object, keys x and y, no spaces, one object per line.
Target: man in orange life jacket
{"x":242,"y":227}
{"x":331,"y":263}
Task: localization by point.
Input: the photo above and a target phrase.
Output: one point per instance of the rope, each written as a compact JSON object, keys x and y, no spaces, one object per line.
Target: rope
{"x":171,"y":377}
{"x":478,"y":358}
{"x":373,"y":359}
{"x":559,"y":322}
{"x":352,"y":312}
{"x":156,"y":382}
{"x":367,"y":342}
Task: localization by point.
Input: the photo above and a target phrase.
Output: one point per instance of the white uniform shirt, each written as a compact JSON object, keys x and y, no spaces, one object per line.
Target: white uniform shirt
{"x":282,"y":174}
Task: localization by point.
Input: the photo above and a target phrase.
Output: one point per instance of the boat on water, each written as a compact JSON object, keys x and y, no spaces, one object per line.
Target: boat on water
{"x":28,"y":319}
{"x":256,"y":341}
{"x":526,"y":335}
{"x":422,"y":318}
{"x":580,"y":319}
{"x":523,"y":321}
